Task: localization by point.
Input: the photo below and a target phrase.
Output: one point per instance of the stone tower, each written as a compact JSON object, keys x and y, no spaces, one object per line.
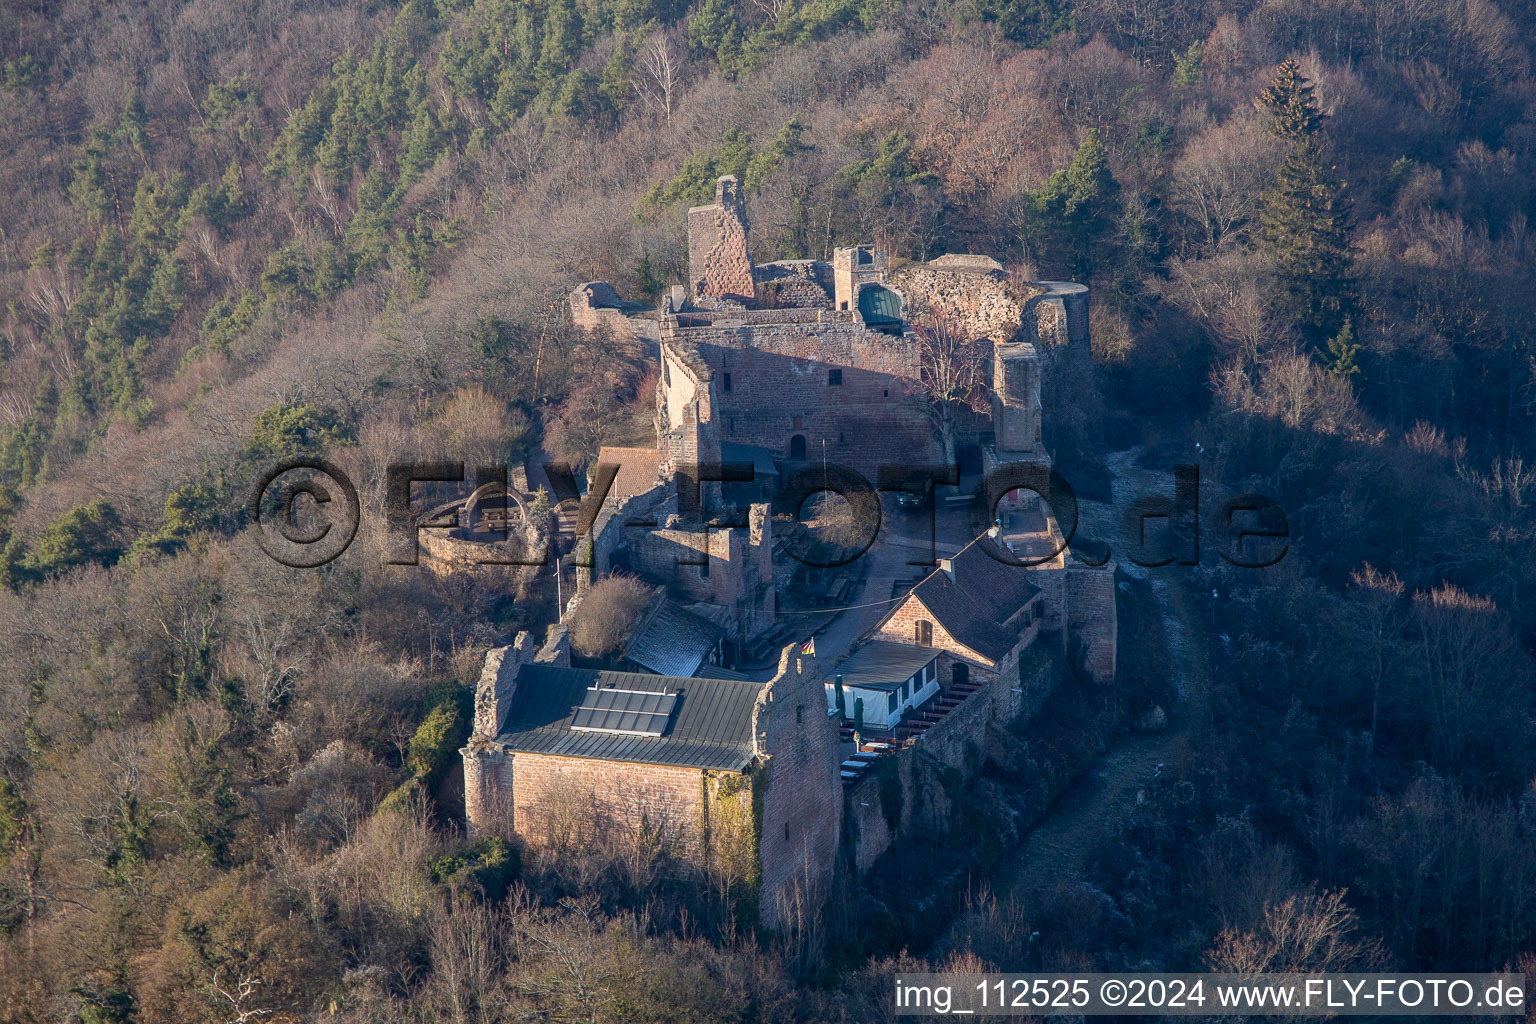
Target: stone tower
{"x":1016,"y":405}
{"x":852,"y":269}
{"x":718,"y":264}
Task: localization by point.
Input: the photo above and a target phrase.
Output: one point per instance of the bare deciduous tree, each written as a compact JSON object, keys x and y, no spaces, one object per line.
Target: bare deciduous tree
{"x":952,"y":374}
{"x":660,"y":67}
{"x":602,"y":622}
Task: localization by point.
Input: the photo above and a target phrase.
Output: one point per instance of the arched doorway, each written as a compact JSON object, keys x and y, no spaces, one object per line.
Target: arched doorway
{"x":797,"y":446}
{"x":960,"y":675}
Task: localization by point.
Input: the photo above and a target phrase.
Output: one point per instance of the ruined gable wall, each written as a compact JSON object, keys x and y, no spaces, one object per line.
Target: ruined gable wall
{"x":718,"y":264}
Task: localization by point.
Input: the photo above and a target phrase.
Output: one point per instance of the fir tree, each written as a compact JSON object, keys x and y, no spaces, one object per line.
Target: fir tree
{"x":1304,"y":223}
{"x":1289,"y":105}
{"x":1341,"y":352}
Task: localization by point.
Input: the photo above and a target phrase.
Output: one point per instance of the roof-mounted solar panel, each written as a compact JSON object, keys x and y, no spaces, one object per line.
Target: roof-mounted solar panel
{"x":630,"y":712}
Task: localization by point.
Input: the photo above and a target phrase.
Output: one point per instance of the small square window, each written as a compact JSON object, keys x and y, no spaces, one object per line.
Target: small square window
{"x":835,"y":378}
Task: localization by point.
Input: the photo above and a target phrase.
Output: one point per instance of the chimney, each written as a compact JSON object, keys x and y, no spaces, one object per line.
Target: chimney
{"x":948,"y":565}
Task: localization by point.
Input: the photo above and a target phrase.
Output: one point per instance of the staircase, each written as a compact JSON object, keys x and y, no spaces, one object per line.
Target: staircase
{"x":913,"y":726}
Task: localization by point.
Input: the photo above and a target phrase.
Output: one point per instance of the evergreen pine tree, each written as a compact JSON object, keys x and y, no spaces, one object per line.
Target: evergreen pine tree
{"x":1304,"y":223}
{"x":1079,"y":206}
{"x":1290,"y":104}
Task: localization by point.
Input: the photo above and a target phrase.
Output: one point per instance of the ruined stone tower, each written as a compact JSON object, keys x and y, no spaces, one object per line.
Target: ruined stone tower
{"x":1016,"y":401}
{"x":718,"y":264}
{"x":852,"y":269}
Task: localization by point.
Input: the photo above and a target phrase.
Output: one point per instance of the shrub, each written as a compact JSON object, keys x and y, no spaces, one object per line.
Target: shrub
{"x":490,"y":863}
{"x":603,"y":621}
{"x":441,"y":734}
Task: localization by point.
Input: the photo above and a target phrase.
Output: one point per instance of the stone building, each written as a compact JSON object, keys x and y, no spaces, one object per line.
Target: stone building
{"x":736,"y":779}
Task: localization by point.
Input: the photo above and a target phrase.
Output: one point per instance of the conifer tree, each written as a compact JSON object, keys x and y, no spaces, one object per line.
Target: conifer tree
{"x":1078,"y":208}
{"x":1304,"y":222}
{"x":1290,"y":104}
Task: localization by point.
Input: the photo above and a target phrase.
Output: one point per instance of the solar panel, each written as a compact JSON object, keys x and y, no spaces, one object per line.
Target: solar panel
{"x":630,"y":712}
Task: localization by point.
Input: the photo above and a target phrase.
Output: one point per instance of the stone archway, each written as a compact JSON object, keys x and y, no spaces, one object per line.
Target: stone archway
{"x":797,"y":446}
{"x":494,"y":489}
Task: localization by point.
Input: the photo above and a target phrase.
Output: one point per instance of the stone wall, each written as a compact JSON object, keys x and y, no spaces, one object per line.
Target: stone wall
{"x":445,"y":552}
{"x":801,"y":796}
{"x":872,"y":417}
{"x":803,"y":284}
{"x":563,"y":800}
{"x":970,"y":290}
{"x":1060,"y":315}
{"x":596,"y":304}
{"x":718,"y":264}
{"x":1016,"y":409}
{"x":1092,"y":619}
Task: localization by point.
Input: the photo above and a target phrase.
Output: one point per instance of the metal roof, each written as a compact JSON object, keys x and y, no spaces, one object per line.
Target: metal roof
{"x":878,"y":304}
{"x":761,"y":458}
{"x":883,"y":665}
{"x":673,"y":642}
{"x":710,"y":727}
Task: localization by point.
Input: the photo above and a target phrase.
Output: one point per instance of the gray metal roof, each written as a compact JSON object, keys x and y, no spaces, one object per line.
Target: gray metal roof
{"x":761,"y":458}
{"x":710,"y":727}
{"x":673,"y":642}
{"x":883,"y":665}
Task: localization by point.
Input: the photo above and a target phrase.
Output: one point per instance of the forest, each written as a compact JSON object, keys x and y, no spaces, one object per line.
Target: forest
{"x":236,"y":233}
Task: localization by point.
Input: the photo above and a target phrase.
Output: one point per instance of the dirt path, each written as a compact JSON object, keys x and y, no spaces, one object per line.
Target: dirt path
{"x":1081,"y":816}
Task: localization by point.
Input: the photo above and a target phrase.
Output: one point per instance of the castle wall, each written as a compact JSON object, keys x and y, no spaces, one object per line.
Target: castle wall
{"x":1092,"y":620}
{"x":558,"y":800}
{"x":969,"y":290}
{"x":802,"y":797}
